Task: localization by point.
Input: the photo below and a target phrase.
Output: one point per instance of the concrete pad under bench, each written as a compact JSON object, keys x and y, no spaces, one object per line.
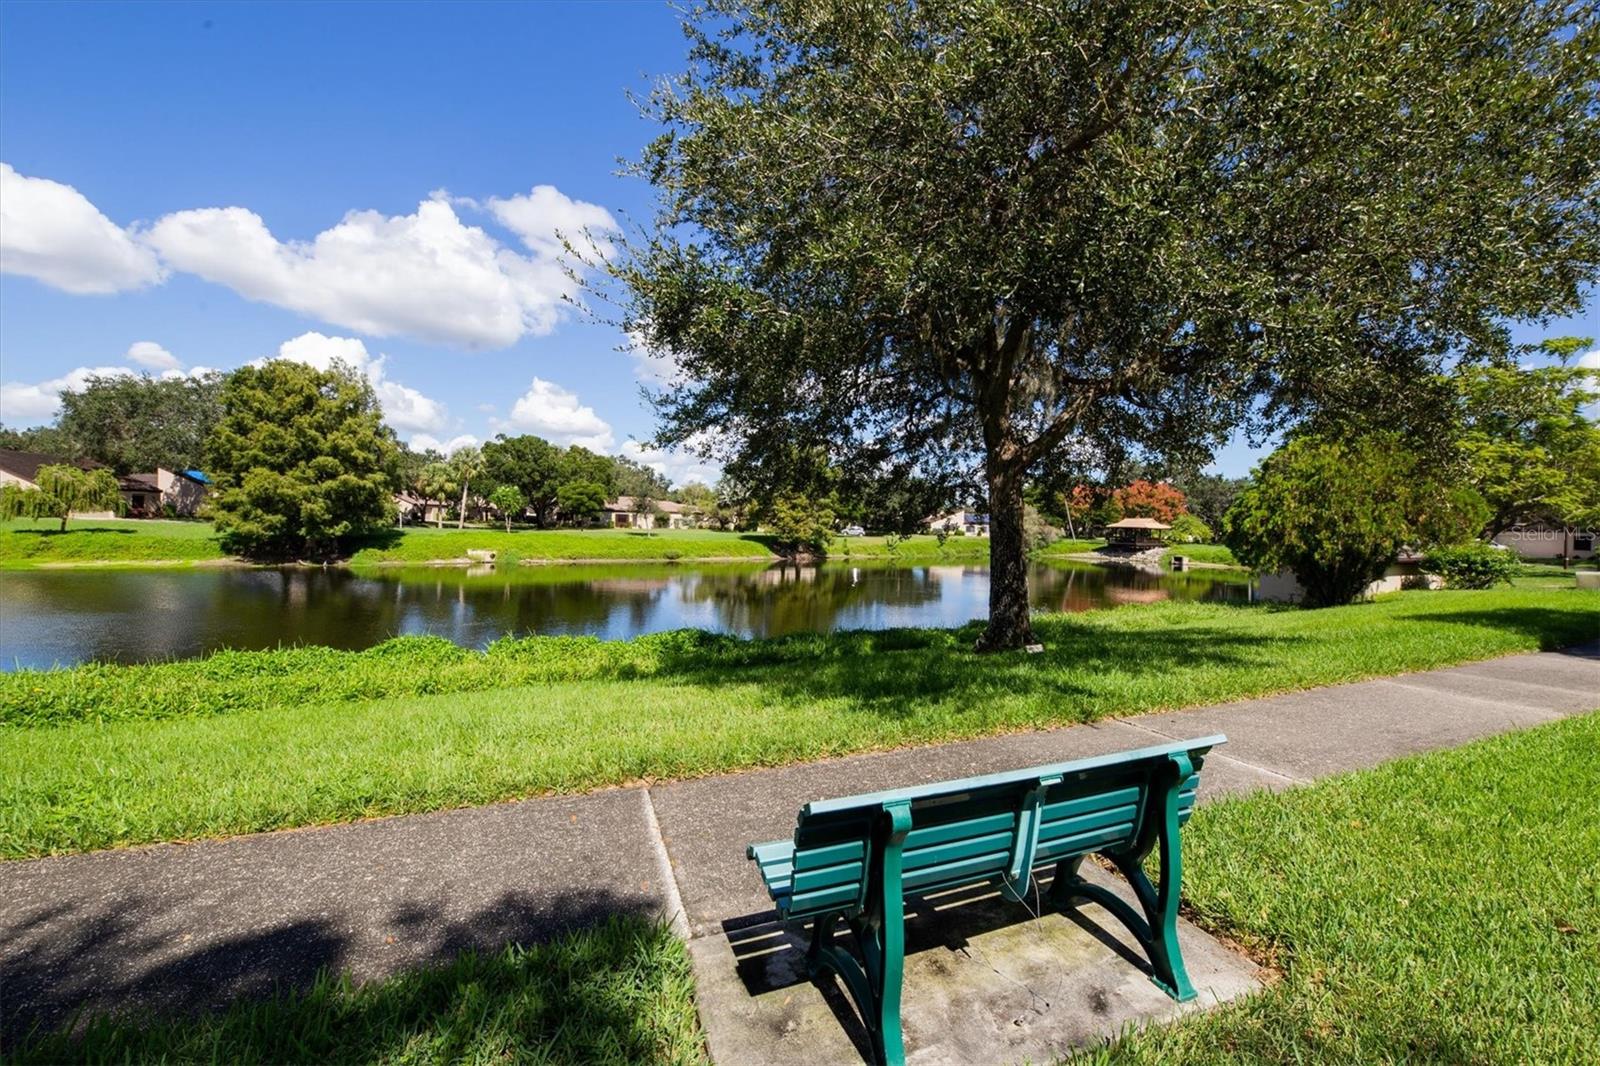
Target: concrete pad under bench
{"x":985,"y":982}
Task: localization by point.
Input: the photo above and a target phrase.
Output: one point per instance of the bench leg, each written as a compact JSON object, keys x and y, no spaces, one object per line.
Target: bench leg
{"x":874,"y":981}
{"x":1157,"y":928}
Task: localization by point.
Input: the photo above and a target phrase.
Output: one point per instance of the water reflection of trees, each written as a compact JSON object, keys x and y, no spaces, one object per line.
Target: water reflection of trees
{"x":132,"y":616}
{"x":788,"y":598}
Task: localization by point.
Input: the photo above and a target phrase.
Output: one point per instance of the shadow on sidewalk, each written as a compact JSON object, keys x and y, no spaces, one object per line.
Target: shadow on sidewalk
{"x":63,"y":964}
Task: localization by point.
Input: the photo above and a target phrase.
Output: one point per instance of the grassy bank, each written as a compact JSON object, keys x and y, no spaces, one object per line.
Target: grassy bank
{"x":246,"y":741}
{"x":619,"y":993}
{"x":1439,"y":909}
{"x":25,"y":544}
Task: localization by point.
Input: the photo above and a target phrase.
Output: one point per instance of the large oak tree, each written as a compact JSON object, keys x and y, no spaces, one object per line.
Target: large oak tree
{"x":925,"y":235}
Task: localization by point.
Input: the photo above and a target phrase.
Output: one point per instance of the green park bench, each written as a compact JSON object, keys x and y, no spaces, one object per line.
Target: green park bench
{"x":856,"y":859}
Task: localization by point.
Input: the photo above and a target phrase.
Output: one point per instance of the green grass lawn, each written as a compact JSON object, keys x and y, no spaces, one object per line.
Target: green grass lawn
{"x":420,"y":544}
{"x":1444,"y":908}
{"x":1206,"y":553}
{"x":25,"y":543}
{"x":243,"y":741}
{"x":621,"y":992}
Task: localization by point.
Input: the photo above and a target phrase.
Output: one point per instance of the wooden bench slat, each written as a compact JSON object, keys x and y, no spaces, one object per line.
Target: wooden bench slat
{"x":960,"y":872}
{"x":827,"y":876}
{"x":1088,"y":804}
{"x":1127,"y":814}
{"x":876,"y":800}
{"x":812,"y":858}
{"x":803,"y":903}
{"x":1081,"y":843}
{"x":967,"y":827}
{"x":953,"y":850}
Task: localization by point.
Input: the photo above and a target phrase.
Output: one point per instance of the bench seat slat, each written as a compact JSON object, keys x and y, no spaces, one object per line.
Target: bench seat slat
{"x":771,"y":850}
{"x":801,"y":903}
{"x":848,"y":873}
{"x":813,"y":858}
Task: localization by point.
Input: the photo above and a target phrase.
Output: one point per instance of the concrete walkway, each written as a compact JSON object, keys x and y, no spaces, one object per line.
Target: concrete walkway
{"x":193,"y":926}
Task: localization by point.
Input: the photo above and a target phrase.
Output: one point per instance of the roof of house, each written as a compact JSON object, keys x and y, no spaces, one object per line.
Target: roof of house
{"x":139,"y":483}
{"x":25,"y":465}
{"x":1138,"y":523}
{"x":625,"y":503}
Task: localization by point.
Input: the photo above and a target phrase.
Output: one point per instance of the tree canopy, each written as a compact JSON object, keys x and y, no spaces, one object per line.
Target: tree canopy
{"x":138,"y":423}
{"x":967,"y":234}
{"x":1336,"y":513}
{"x":1526,"y":444}
{"x":300,"y":459}
{"x":61,"y":491}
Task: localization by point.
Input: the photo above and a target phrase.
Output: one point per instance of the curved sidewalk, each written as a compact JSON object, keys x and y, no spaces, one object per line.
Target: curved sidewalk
{"x":192,"y":926}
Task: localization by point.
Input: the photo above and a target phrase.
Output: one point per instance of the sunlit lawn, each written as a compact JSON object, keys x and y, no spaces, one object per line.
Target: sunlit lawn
{"x":1440,"y":909}
{"x":243,"y":741}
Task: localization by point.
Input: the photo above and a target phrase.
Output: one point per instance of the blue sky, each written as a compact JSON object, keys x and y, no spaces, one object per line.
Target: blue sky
{"x":199,"y":185}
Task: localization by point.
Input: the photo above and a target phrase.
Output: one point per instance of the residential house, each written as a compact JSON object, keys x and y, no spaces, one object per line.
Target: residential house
{"x":152,"y":495}
{"x":1540,"y":540}
{"x":969,"y":523}
{"x":623,"y":513}
{"x":1404,"y":573}
{"x":22,"y":468}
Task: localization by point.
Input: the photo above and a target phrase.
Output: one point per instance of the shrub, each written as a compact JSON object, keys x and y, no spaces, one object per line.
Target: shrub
{"x":1187,"y":529}
{"x":1473,"y":565}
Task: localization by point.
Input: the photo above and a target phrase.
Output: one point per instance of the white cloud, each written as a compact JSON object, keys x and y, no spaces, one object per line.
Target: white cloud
{"x":1591,"y":361}
{"x":650,"y":365}
{"x":426,"y":275}
{"x":23,"y":404}
{"x":152,"y":355}
{"x":555,"y":413}
{"x":52,"y":232}
{"x":546,"y":216}
{"x":404,"y":408}
{"x":677,"y":465}
{"x":421,"y":442}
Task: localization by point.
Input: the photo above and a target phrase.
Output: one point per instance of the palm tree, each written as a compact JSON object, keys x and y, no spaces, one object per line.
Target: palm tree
{"x":465,"y":464}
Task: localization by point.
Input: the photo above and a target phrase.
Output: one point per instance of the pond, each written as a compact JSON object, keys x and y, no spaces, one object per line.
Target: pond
{"x":71,"y":616}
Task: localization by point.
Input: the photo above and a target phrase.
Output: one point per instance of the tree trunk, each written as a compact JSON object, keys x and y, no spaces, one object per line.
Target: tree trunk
{"x":1009,"y":626}
{"x":461,"y":516}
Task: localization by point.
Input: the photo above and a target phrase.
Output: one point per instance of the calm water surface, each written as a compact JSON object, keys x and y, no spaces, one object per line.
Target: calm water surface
{"x":66,"y":617}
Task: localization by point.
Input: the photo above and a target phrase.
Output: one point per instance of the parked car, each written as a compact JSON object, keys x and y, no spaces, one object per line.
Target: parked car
{"x":852,"y":531}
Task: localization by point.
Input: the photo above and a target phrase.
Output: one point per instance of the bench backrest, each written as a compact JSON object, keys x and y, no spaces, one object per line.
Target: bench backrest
{"x":993,"y":828}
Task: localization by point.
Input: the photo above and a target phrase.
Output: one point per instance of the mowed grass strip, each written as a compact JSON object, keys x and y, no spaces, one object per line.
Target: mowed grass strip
{"x":1444,"y":908}
{"x":620,"y":992}
{"x":681,"y":705}
{"x":25,"y":544}
{"x":420,"y":544}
